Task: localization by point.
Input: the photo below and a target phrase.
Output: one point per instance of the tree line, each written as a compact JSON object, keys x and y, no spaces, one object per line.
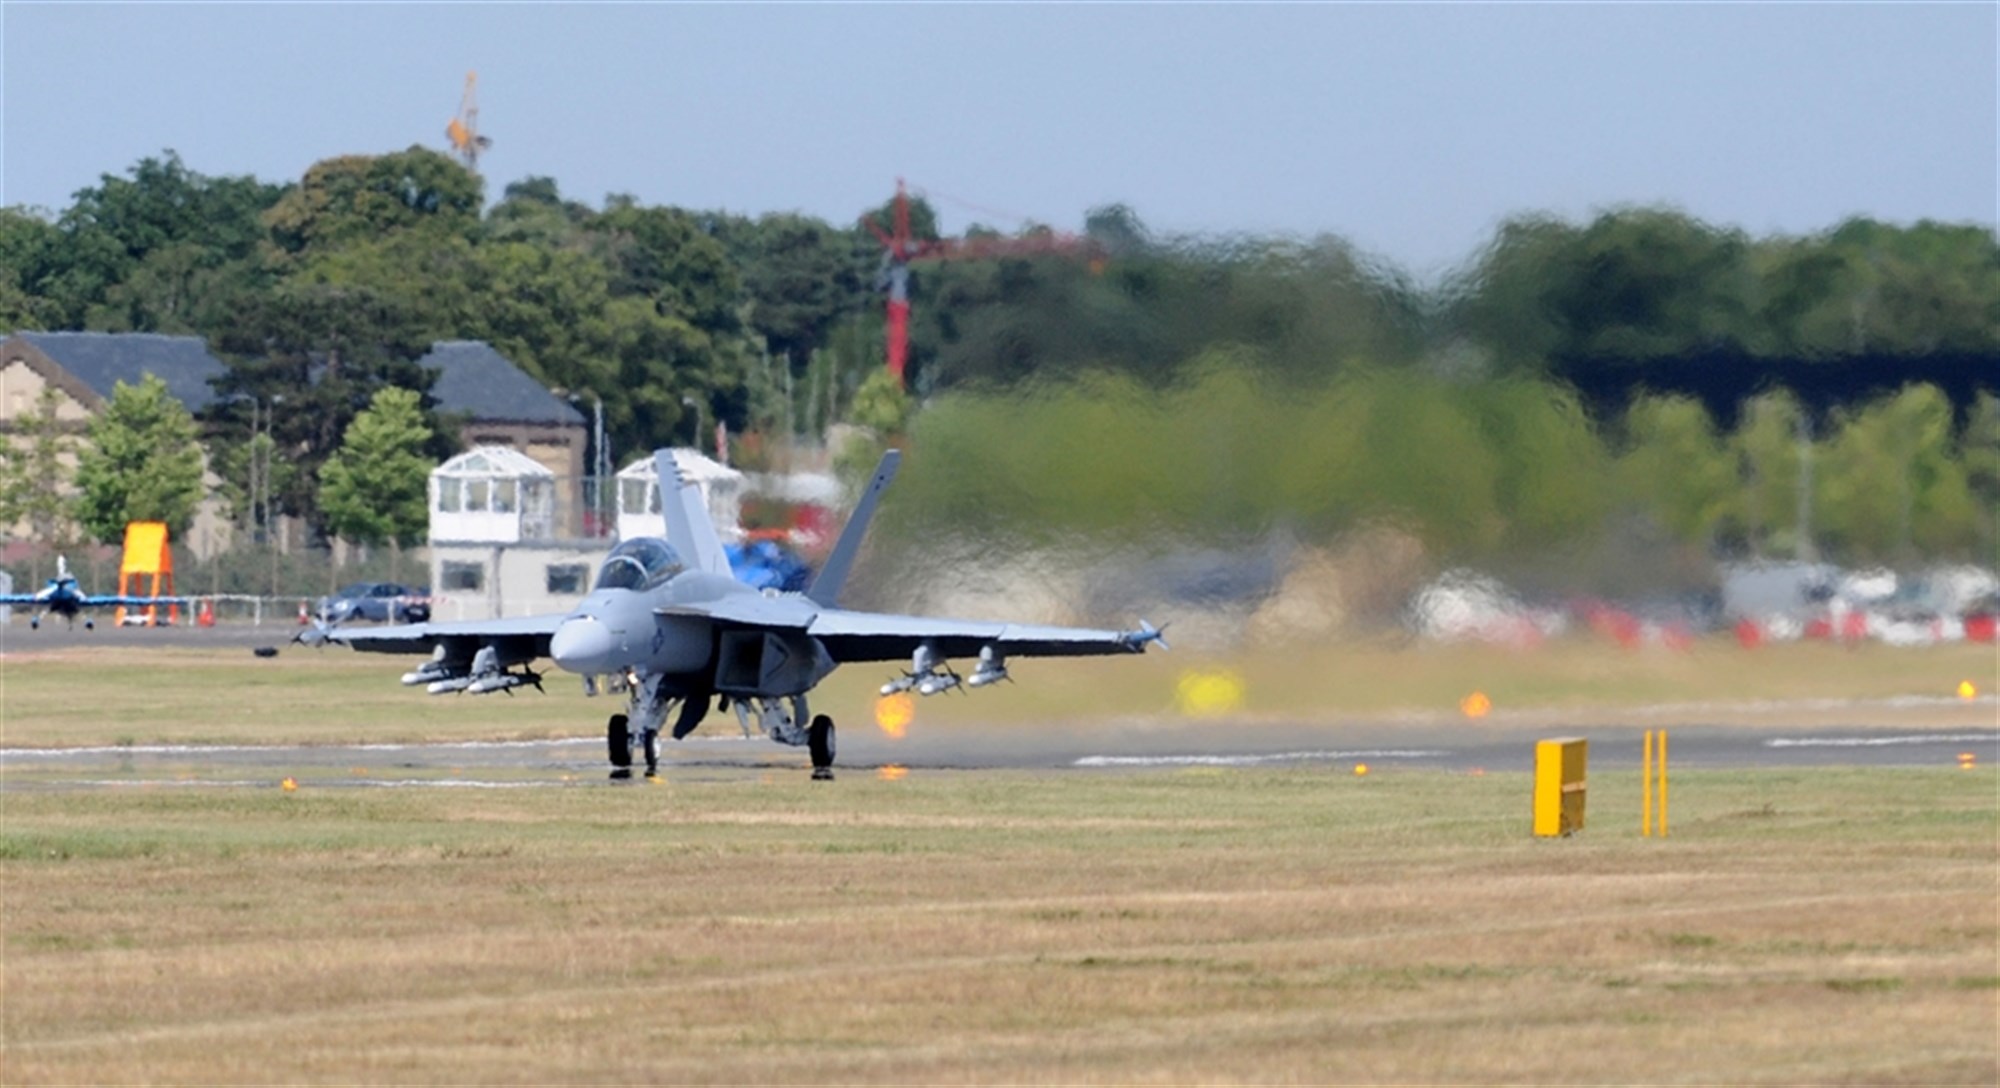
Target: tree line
{"x":320,"y":292}
{"x":1505,"y":469}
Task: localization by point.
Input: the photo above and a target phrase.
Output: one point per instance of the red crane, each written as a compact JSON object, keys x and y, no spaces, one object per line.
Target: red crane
{"x":900,"y":251}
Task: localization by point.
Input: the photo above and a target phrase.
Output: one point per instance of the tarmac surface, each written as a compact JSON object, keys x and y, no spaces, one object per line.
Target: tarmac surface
{"x":59,"y":634}
{"x":720,"y":751}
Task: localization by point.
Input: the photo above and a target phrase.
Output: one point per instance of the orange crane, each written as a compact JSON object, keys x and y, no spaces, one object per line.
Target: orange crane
{"x":900,"y":250}
{"x":463,"y":132}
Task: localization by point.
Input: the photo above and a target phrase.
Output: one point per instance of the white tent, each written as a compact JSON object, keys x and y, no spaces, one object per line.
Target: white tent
{"x":492,"y":494}
{"x":639,"y":496}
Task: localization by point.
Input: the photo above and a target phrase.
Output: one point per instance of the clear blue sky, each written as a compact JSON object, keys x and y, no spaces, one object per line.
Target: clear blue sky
{"x":1410,"y":130}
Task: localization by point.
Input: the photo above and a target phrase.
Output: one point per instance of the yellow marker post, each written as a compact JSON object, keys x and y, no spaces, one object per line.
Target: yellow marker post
{"x":1559,"y":785}
{"x":1654,"y":765}
{"x":1646,"y":788}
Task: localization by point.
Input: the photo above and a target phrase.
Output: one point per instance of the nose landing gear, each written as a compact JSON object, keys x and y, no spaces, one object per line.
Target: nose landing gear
{"x":618,"y":738}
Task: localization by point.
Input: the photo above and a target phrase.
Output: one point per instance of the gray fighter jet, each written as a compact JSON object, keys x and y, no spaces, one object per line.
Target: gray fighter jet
{"x":669,"y":627}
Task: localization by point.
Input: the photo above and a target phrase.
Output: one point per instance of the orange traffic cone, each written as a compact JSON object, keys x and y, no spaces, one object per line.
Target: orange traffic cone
{"x":205,"y":615}
{"x":305,"y":616}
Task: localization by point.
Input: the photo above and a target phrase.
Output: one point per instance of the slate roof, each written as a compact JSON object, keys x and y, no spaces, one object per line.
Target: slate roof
{"x":101,"y":360}
{"x":475,"y":379}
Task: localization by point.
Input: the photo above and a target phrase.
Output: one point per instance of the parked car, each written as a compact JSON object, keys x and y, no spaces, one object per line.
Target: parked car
{"x":381,"y":602}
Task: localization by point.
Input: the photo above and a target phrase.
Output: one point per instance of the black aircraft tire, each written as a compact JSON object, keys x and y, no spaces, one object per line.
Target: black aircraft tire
{"x":618,"y":735}
{"x":820,"y":741}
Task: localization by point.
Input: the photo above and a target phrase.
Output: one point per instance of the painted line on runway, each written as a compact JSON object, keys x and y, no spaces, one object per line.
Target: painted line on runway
{"x":340,"y":783}
{"x":1881,"y":742}
{"x":257,"y":749}
{"x":1253,"y":760}
{"x":1889,"y":702}
{"x":266,"y":749}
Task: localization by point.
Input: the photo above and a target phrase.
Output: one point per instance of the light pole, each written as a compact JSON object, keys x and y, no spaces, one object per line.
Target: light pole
{"x":602,"y":463}
{"x":699,"y":417}
{"x":600,"y":460}
{"x":262,"y":451}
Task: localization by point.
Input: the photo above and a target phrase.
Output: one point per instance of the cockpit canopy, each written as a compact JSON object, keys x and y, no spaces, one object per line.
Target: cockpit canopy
{"x":641,"y":563}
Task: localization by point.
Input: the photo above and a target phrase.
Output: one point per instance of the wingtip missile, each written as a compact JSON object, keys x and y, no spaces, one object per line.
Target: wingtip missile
{"x":1146,"y":633}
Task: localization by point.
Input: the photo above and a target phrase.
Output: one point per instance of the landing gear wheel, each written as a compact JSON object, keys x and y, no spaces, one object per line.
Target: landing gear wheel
{"x":618,"y":738}
{"x":819,"y":741}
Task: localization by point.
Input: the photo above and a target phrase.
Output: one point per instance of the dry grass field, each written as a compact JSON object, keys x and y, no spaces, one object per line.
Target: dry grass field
{"x":1209,"y":925}
{"x":1212,"y":926}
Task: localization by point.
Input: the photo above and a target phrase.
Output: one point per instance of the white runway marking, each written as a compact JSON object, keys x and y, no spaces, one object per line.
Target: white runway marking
{"x":252,"y":749}
{"x":256,"y":749}
{"x":1881,"y":742}
{"x":1252,"y":760}
{"x":343,"y":783}
{"x":1891,"y":702}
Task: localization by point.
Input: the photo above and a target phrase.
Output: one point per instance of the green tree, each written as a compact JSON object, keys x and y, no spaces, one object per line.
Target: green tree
{"x":801,"y":279}
{"x":1675,"y":468}
{"x":35,"y":473}
{"x":663,"y":255}
{"x":881,"y":405}
{"x":148,"y":251}
{"x":29,"y":245}
{"x":533,"y":210}
{"x":374,"y":488}
{"x":354,"y":198}
{"x":309,"y":357}
{"x":1979,"y":446}
{"x":1890,"y":487}
{"x":1505,"y":301}
{"x":1552,"y":470}
{"x":1766,"y":449}
{"x":142,"y":463}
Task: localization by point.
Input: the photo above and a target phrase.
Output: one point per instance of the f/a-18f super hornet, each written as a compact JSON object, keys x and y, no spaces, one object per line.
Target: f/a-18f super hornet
{"x":64,"y":596}
{"x":666,"y":624}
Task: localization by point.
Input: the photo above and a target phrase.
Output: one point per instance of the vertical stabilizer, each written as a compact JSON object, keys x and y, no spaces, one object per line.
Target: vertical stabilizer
{"x":826,"y":588}
{"x":689,"y":528}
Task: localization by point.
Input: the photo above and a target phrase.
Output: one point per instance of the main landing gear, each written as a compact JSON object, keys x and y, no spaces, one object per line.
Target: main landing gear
{"x":818,"y":738}
{"x":819,"y":741}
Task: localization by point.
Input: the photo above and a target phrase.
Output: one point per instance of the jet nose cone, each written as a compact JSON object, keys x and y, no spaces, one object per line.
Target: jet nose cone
{"x":581,"y":645}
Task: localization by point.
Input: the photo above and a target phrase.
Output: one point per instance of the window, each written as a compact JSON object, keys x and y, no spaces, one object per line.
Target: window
{"x":503,"y":496}
{"x":451,"y":494}
{"x":639,"y":564}
{"x":638,"y":496}
{"x":475,"y":496}
{"x":462,"y":576}
{"x":567,"y":577}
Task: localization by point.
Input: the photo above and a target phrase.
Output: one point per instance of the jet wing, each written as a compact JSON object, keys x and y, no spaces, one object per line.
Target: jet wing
{"x":523,"y":637}
{"x":46,"y":597}
{"x":875,"y":636}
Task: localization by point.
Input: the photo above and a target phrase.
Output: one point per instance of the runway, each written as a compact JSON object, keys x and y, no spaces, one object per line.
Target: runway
{"x":58,"y":634}
{"x":724,"y":754}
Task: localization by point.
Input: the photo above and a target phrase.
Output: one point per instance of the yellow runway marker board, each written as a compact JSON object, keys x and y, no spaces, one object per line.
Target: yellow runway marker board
{"x":1559,"y":779}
